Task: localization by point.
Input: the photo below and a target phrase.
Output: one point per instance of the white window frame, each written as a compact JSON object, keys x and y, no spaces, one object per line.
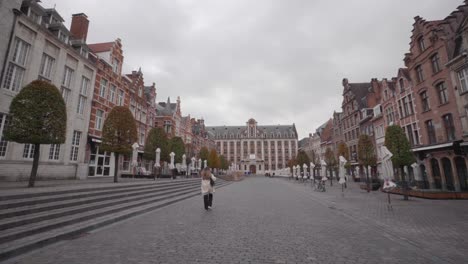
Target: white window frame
{"x":463,"y":78}
{"x":16,"y":68}
{"x":28,"y":151}
{"x":54,"y":152}
{"x":3,"y":142}
{"x":75,"y":145}
{"x":112,"y":93}
{"x":120,"y":97}
{"x":103,"y":87}
{"x":99,"y":120}
{"x":47,"y":63}
{"x":82,"y":99}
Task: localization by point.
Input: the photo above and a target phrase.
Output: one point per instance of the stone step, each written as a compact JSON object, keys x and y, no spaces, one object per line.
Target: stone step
{"x":84,"y":223}
{"x":77,"y":193}
{"x":82,"y":207}
{"x":45,"y":191}
{"x":59,"y":202}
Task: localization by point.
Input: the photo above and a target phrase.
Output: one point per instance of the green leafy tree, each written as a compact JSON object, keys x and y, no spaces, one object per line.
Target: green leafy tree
{"x":37,"y":116}
{"x":203,"y":155}
{"x":157,"y":138}
{"x":176,"y":145}
{"x":331,"y":161}
{"x":366,"y":155}
{"x":119,"y":133}
{"x":223,"y":162}
{"x":213,"y":159}
{"x":398,"y":144}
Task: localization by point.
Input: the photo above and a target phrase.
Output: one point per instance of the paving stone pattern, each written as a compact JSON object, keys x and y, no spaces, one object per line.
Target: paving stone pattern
{"x":264,"y":220}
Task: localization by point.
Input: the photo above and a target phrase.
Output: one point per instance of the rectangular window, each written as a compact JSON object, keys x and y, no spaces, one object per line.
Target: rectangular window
{"x":3,"y":142}
{"x":112,"y":93}
{"x":28,"y":151}
{"x":449,"y":127}
{"x":75,"y":145}
{"x":21,"y":52}
{"x":419,"y":73}
{"x":425,"y":101}
{"x":82,"y":99}
{"x":410,"y":105}
{"x":103,"y":87}
{"x":409,"y":134}
{"x":65,"y":93}
{"x":442,"y":92}
{"x":120,"y":99}
{"x":421,"y":44}
{"x":67,"y":77}
{"x":416,"y":134}
{"x":142,"y":135}
{"x":16,"y":68}
{"x":54,"y":151}
{"x":99,"y":119}
{"x":46,"y":66}
{"x":435,"y":61}
{"x":463,"y":77}
{"x":431,"y":132}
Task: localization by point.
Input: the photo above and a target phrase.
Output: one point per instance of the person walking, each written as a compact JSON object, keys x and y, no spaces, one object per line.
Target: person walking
{"x":207,"y":187}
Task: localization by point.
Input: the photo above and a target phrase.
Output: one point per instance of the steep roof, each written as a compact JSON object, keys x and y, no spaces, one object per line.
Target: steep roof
{"x":360,"y":90}
{"x":100,"y":47}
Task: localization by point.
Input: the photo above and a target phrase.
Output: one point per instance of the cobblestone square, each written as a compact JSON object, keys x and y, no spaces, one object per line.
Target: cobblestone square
{"x":275,"y":220}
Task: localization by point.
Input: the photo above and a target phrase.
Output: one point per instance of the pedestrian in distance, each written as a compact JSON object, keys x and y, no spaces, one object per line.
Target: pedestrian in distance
{"x":207,"y":187}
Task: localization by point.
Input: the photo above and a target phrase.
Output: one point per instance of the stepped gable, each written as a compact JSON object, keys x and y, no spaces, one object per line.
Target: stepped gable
{"x":166,"y":108}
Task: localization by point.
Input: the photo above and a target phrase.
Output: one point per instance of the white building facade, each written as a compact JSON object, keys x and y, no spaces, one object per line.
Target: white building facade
{"x":40,"y":48}
{"x":256,"y":149}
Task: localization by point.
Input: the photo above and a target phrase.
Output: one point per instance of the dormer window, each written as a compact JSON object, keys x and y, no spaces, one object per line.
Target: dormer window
{"x":422,"y":46}
{"x":35,"y":17}
{"x":115,"y":65}
{"x":402,"y":87}
{"x":62,"y":36}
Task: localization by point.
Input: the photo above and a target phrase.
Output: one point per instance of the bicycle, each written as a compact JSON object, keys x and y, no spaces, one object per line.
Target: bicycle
{"x":320,"y":186}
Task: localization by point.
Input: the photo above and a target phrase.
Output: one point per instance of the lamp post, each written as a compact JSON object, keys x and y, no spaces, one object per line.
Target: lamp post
{"x":157,"y":166}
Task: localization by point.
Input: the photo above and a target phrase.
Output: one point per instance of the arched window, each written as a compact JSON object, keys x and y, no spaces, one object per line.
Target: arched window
{"x":436,"y":173}
{"x":448,"y":173}
{"x":462,"y":173}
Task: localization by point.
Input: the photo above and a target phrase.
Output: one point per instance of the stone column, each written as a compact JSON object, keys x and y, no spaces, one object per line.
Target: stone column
{"x":282,"y":154}
{"x":242,"y":149}
{"x":290,"y":152}
{"x":456,"y":180}
{"x":429,"y":173}
{"x":248,"y":149}
{"x":255,"y":148}
{"x":221,"y":147}
{"x":442,"y":175}
{"x":269,"y":154}
{"x":235,"y":151}
{"x":276,"y":154}
{"x":228,"y":150}
{"x":263,"y":152}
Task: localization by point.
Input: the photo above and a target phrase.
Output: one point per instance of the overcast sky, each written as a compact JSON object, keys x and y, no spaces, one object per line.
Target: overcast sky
{"x":280,"y":62}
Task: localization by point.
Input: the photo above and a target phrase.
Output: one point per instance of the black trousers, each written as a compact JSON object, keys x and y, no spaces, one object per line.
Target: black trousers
{"x":208,"y":200}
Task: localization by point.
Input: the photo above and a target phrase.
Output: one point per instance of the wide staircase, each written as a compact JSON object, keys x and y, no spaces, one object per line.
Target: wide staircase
{"x":32,"y":220}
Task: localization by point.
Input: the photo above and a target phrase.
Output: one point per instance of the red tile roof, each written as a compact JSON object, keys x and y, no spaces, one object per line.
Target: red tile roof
{"x":101,"y":47}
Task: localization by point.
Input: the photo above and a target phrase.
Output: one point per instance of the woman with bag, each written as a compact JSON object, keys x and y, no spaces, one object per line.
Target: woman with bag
{"x":207,"y":187}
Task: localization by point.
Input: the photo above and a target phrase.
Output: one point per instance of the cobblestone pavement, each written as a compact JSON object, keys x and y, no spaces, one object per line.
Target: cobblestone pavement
{"x":264,"y":220}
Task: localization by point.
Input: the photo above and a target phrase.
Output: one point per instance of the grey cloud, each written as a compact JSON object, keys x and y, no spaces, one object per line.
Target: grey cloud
{"x":280,"y":62}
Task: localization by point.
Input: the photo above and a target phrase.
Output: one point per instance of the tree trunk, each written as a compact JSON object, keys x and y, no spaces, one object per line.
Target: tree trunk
{"x":404,"y":184}
{"x":367,"y":176}
{"x":32,"y":177}
{"x":116,"y":179}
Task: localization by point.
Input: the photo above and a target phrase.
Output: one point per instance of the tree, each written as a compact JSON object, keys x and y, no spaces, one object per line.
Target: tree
{"x":366,"y":155}
{"x":37,"y":115}
{"x":176,"y":145}
{"x":330,"y":159}
{"x":399,"y":146}
{"x":224,"y":164}
{"x":302,"y":159}
{"x":213,"y":159}
{"x":156,"y":139}
{"x":344,"y":151}
{"x":203,"y":155}
{"x":119,"y":133}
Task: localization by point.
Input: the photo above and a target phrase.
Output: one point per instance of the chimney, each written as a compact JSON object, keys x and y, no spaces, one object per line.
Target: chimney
{"x":79,"y":26}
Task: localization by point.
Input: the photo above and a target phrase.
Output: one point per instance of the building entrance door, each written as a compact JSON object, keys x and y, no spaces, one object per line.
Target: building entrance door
{"x":100,"y":163}
{"x":252,"y":169}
